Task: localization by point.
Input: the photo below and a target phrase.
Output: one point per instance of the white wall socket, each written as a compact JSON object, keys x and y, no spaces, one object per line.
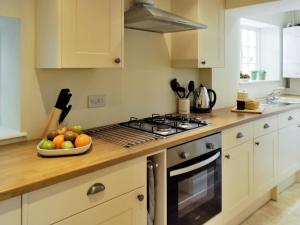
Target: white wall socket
{"x":95,"y":101}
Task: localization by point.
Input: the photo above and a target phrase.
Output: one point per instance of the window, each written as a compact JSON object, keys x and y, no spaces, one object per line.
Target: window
{"x":249,"y":49}
{"x":260,"y":50}
{"x":10,"y":78}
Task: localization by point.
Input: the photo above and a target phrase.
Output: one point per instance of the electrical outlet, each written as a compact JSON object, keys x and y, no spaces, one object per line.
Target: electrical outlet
{"x":96,"y":101}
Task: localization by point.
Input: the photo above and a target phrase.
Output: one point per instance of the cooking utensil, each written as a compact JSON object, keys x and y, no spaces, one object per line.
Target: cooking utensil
{"x":174,"y":85}
{"x":182,"y":90}
{"x":191,"y":88}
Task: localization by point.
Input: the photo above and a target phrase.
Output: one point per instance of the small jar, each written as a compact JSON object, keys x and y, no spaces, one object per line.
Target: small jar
{"x":240,"y":104}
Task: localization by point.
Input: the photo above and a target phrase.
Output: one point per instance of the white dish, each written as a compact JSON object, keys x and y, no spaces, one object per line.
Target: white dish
{"x":63,"y":152}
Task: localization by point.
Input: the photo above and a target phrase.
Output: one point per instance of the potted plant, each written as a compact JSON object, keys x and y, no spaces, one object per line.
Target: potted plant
{"x":244,"y":77}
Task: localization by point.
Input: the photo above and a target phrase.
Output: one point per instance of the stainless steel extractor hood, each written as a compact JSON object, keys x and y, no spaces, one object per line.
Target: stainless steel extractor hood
{"x":144,"y":16}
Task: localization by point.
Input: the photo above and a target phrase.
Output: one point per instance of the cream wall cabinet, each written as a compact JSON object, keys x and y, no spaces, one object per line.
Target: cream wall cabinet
{"x":128,"y":209}
{"x":59,"y":201}
{"x":240,"y":3}
{"x":265,"y":162}
{"x":291,"y":47}
{"x":10,"y":211}
{"x":80,"y":33}
{"x":237,"y":178}
{"x":200,"y":48}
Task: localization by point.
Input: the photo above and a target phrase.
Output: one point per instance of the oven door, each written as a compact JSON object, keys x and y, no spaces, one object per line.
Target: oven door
{"x":194,"y":190}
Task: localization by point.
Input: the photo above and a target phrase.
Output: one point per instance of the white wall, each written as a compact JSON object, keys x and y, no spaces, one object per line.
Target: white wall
{"x":140,"y":89}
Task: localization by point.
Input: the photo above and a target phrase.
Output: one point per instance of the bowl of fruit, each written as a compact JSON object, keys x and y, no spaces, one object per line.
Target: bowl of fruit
{"x":65,"y":141}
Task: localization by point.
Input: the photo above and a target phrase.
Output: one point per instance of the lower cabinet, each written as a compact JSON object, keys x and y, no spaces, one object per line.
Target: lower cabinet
{"x":237,"y":178}
{"x":106,"y":196}
{"x":128,"y":209}
{"x":288,"y":151}
{"x":10,"y":211}
{"x":265,"y":157}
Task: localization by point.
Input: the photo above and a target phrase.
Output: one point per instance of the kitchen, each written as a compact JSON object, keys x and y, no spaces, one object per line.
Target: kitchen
{"x":132,"y":89}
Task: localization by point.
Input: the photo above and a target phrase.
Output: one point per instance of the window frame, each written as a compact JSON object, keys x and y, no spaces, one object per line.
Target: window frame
{"x":258,"y":46}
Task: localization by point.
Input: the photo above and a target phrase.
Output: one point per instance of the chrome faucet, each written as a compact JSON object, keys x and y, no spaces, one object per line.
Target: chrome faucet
{"x":274,"y":95}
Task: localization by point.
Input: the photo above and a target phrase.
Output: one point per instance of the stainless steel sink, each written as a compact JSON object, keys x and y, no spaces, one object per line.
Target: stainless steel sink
{"x":280,"y":101}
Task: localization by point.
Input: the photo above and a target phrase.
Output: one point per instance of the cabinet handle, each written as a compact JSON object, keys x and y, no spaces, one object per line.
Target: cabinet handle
{"x":203,"y":62}
{"x":239,"y":135}
{"x":290,"y":118}
{"x":227,"y":156}
{"x":141,"y":197}
{"x":96,"y":188}
{"x":266,"y":126}
{"x":118,"y":60}
{"x":257,"y":143}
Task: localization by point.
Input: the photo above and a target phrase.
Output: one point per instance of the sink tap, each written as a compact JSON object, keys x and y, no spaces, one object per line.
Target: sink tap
{"x":274,"y":95}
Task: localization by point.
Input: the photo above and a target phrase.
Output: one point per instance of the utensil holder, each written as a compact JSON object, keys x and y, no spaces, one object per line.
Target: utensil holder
{"x":184,"y":106}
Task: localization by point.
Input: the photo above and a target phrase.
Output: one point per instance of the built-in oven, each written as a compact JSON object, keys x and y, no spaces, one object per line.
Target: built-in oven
{"x":194,"y":181}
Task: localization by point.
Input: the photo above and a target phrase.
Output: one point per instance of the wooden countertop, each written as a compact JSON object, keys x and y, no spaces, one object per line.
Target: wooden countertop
{"x":23,"y":171}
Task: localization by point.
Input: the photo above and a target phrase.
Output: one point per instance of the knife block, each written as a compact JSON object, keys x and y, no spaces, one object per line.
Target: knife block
{"x":53,"y":121}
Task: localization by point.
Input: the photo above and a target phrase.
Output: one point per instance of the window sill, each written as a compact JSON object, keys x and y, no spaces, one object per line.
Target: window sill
{"x":258,"y":82}
{"x":7,"y":133}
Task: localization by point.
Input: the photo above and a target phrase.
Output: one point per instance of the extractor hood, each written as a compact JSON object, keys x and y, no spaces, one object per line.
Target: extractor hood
{"x":144,"y":16}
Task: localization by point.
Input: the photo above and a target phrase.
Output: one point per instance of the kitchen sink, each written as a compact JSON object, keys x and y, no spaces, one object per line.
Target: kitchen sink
{"x":280,"y":101}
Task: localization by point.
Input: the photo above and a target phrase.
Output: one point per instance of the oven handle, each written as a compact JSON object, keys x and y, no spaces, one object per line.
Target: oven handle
{"x":195,"y":166}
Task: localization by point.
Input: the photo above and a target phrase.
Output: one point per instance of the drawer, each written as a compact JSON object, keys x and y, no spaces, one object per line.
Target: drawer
{"x":54,"y":203}
{"x":237,"y":135}
{"x":265,"y":126}
{"x":124,"y":210}
{"x":288,"y":118}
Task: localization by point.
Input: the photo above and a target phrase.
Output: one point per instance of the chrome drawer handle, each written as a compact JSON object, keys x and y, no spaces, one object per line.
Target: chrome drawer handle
{"x":290,"y":118}
{"x":96,"y":188}
{"x":266,"y":126}
{"x":240,"y":135}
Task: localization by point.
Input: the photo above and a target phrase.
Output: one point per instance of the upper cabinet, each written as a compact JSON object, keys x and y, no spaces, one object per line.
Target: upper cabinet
{"x":240,"y":3}
{"x":80,"y":33}
{"x":291,"y":48}
{"x":200,"y":48}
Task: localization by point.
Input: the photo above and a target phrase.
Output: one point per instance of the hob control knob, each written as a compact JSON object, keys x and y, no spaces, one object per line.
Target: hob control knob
{"x":184,"y":155}
{"x":210,"y":146}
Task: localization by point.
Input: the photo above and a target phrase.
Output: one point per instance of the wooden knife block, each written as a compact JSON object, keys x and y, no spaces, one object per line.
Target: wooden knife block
{"x":53,"y":121}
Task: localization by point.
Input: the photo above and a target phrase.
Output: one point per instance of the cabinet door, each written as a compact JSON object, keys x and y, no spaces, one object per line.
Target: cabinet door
{"x":237,"y":177}
{"x":211,"y":41}
{"x":92,"y":33}
{"x":288,"y":151}
{"x":10,"y":211}
{"x":291,"y":48}
{"x":124,"y":210}
{"x":265,"y":156}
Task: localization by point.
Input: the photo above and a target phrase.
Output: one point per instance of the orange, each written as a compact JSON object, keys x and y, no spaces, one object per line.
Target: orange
{"x":82,"y":140}
{"x":58,"y":140}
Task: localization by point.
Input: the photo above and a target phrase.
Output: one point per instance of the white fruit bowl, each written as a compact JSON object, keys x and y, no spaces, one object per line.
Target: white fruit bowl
{"x":63,"y":152}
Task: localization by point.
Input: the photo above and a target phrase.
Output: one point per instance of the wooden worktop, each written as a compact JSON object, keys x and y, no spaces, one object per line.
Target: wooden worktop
{"x":22,"y":170}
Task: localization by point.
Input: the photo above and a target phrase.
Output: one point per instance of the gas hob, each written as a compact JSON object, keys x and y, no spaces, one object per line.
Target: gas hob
{"x":165,"y":125}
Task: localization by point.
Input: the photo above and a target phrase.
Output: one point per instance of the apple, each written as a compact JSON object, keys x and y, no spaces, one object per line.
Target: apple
{"x":47,"y":145}
{"x":67,"y":145}
{"x":62,"y":130}
{"x":52,"y":135}
{"x":77,"y":129}
{"x":70,"y":136}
